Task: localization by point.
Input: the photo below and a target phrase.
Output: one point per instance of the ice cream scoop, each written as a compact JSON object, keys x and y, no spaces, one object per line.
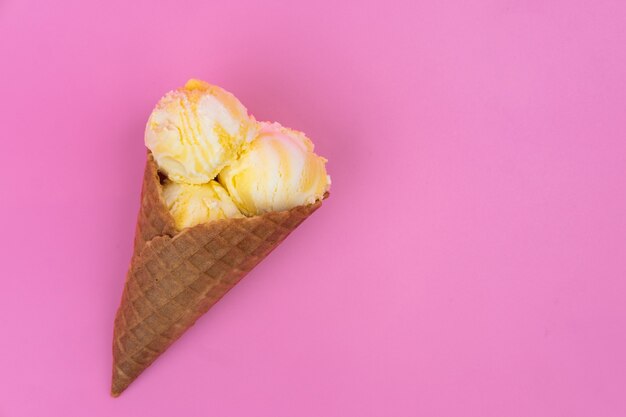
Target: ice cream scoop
{"x":277,"y":171}
{"x":192,"y":204}
{"x":194,"y":131}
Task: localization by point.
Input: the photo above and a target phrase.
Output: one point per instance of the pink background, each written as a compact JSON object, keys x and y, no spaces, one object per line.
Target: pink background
{"x":470,"y":261}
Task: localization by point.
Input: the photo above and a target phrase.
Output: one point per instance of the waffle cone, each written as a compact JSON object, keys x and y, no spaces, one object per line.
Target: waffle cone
{"x":176,"y":276}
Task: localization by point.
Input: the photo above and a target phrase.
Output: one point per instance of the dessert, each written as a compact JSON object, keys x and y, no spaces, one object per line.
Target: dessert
{"x":196,"y":238}
{"x":192,"y":204}
{"x":277,"y":171}
{"x":195,"y":130}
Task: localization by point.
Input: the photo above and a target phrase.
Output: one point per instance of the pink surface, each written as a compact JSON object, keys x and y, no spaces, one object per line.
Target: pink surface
{"x":470,"y":261}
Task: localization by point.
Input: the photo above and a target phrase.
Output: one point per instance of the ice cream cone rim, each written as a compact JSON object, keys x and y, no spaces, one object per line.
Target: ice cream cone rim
{"x":162,"y":199}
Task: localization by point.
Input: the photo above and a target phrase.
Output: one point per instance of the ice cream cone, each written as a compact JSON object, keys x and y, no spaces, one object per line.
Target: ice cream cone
{"x":176,"y":276}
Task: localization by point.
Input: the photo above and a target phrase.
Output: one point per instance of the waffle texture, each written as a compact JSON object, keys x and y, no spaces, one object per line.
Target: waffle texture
{"x":175,"y":277}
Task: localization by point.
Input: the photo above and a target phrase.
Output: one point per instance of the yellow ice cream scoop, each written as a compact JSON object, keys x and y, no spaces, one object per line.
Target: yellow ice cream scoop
{"x":277,"y":171}
{"x":194,"y":204}
{"x":194,"y":131}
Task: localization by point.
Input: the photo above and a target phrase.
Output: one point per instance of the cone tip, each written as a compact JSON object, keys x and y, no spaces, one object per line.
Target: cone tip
{"x":116,"y":390}
{"x":118,"y":385}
